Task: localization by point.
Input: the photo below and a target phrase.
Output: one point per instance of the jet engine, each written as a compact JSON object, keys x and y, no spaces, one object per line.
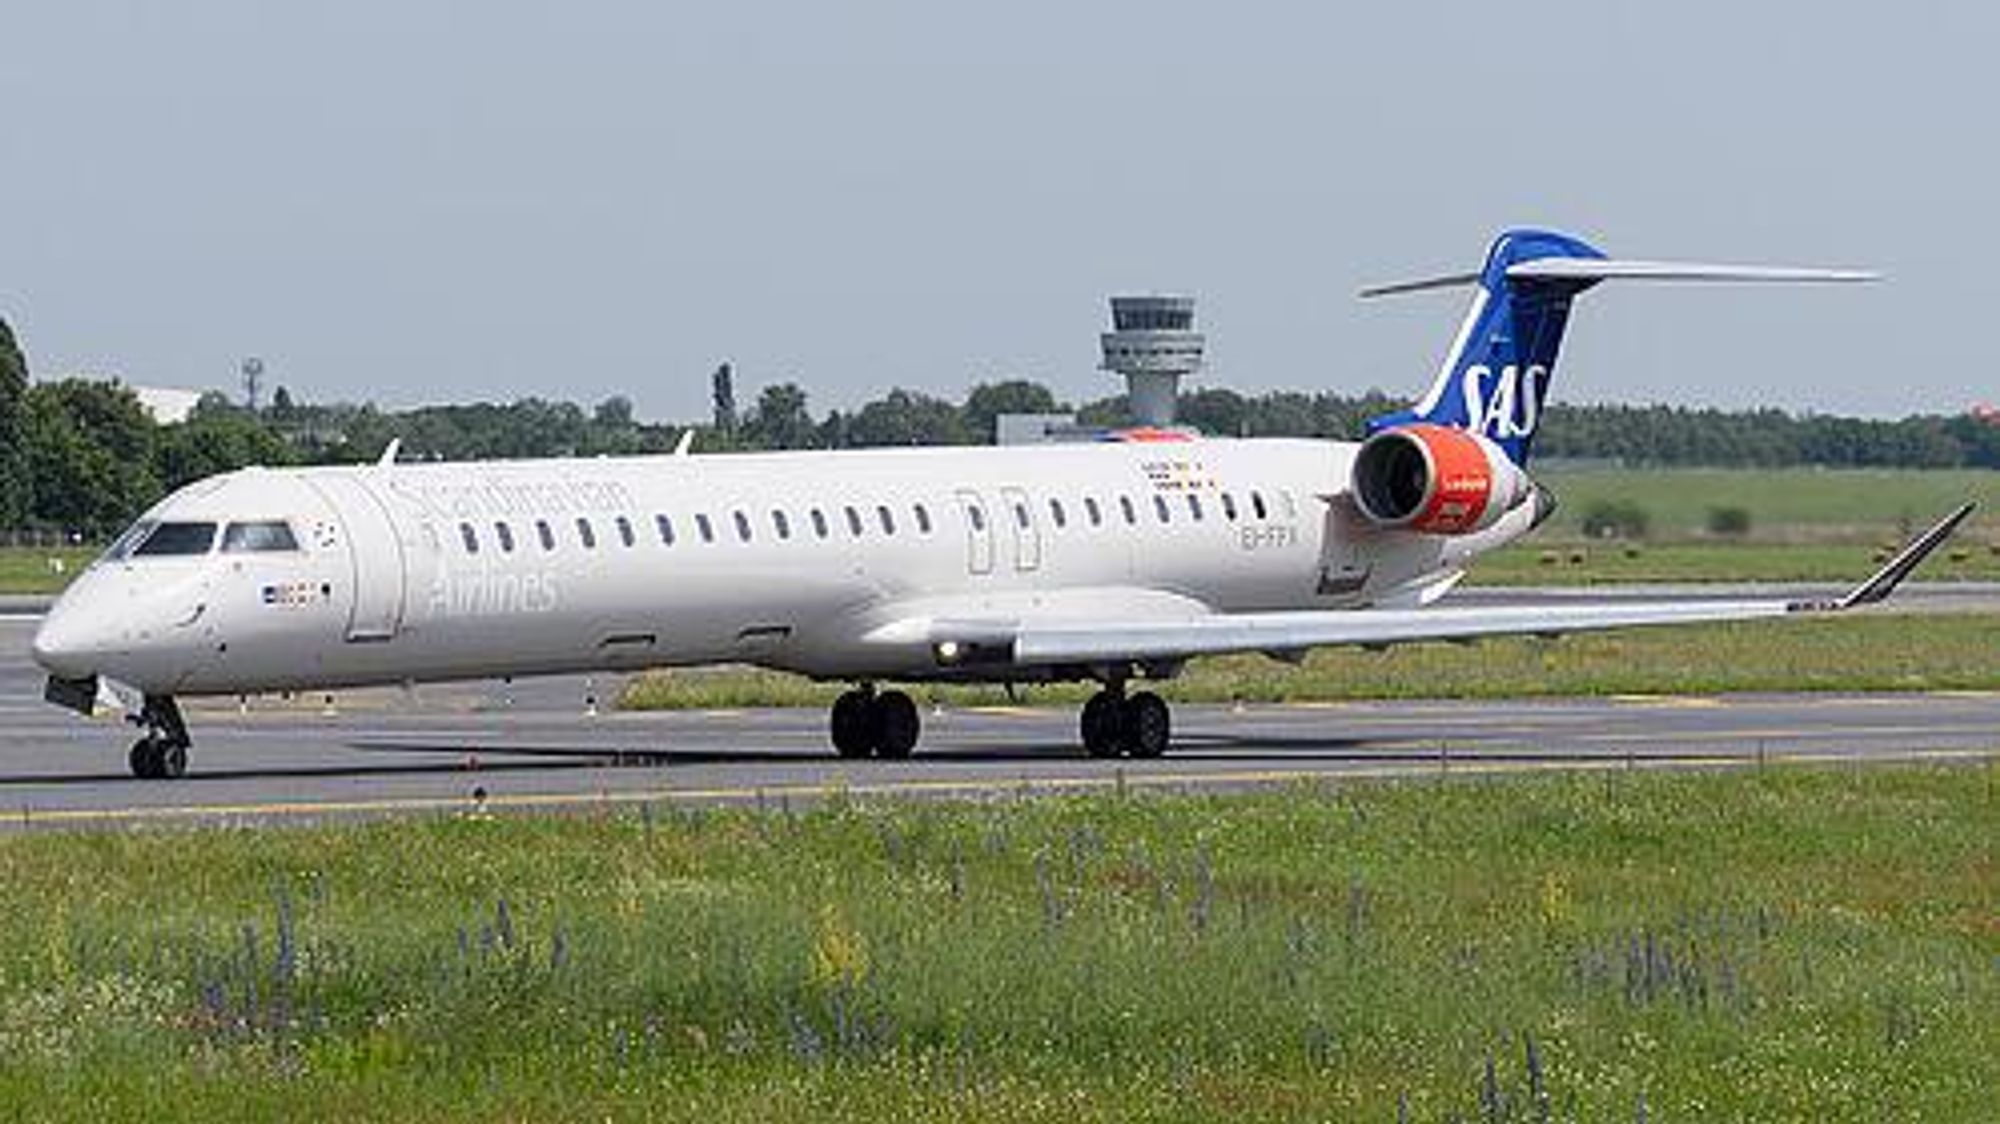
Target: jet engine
{"x":1437,"y":480}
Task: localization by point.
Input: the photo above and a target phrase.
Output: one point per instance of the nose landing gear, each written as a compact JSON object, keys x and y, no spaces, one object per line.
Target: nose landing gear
{"x":162,"y":753}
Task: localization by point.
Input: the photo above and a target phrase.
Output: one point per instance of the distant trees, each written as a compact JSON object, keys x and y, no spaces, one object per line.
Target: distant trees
{"x":908,"y":417}
{"x":780,"y":420}
{"x":15,"y":497}
{"x":89,"y":449}
{"x":988,"y":400}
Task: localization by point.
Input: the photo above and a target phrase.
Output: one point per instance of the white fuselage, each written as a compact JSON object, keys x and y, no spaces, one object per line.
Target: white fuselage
{"x":817,"y":562}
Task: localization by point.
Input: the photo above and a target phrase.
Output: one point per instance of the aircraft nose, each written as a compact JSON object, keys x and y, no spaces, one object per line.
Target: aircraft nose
{"x":63,"y":646}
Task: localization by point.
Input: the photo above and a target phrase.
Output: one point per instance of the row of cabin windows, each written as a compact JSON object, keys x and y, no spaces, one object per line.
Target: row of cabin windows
{"x":663,"y":525}
{"x":781,"y":523}
{"x":1162,"y":509}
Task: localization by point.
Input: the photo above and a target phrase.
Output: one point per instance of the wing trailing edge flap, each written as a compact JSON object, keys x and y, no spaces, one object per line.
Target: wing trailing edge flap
{"x":1029,"y":642}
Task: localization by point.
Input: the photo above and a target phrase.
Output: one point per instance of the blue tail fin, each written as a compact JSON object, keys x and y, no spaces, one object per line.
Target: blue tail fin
{"x":1496,"y":376}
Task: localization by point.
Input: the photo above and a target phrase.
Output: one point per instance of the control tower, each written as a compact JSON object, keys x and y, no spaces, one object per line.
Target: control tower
{"x":1152,"y":343}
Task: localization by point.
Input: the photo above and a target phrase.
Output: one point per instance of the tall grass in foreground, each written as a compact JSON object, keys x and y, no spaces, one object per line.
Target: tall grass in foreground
{"x":1785,"y":945}
{"x":1878,"y":652}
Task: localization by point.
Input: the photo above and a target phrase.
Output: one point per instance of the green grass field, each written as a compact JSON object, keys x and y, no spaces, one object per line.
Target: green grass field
{"x":1784,"y":944}
{"x":1550,"y":561}
{"x":1809,"y":504}
{"x":1873,"y":652}
{"x":28,"y":569}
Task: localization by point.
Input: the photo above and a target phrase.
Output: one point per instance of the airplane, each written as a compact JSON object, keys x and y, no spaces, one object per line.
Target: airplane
{"x":1115,"y":561}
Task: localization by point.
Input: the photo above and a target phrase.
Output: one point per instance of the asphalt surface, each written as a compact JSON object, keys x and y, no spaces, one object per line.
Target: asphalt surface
{"x":539,"y":744}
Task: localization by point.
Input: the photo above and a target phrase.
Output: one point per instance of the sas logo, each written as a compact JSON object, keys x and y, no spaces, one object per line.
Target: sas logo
{"x":1511,"y":406}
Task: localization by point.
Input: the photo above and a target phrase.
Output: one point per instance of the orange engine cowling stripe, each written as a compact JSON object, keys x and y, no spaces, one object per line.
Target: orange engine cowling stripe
{"x":1463,"y":485}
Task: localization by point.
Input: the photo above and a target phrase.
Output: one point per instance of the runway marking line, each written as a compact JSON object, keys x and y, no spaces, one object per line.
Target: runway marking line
{"x":1092,"y":782}
{"x":1686,"y":701}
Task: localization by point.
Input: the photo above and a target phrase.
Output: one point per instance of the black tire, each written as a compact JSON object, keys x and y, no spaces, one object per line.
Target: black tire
{"x":1148,"y":725}
{"x":145,"y":759}
{"x":853,"y":724}
{"x":1101,"y":725}
{"x":173,"y":761}
{"x":897,"y":725}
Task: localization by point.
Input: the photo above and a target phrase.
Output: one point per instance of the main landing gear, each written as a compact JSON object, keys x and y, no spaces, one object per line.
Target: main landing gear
{"x":868,"y":724}
{"x":162,"y":753}
{"x":1119,"y":725}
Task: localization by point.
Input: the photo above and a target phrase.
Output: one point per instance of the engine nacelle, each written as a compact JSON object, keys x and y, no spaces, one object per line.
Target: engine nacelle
{"x":1437,"y":480}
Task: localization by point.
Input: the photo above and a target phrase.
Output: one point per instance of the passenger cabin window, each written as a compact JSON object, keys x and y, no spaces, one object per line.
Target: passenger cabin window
{"x":1021,"y":516}
{"x":625,"y":534}
{"x":469,"y":537}
{"x":546,"y":534}
{"x":780,"y":524}
{"x":1291,"y":505}
{"x":505,"y":534}
{"x":586,"y":532}
{"x":1229,"y":507}
{"x":1194,"y":506}
{"x":819,"y":522}
{"x":1092,"y":512}
{"x":976,"y":516}
{"x":887,"y":520}
{"x":264,"y":537}
{"x":1160,"y":509}
{"x":1131,"y":515}
{"x":1257,"y":505}
{"x":665,"y":527}
{"x":704,"y":528}
{"x":923,"y":518}
{"x":742,"y":524}
{"x":854,"y":521}
{"x":168,"y":539}
{"x":1057,"y":514}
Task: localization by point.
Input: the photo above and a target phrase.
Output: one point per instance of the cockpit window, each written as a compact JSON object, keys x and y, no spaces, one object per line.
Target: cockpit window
{"x":176,"y":539}
{"x":121,"y":549}
{"x":270,"y":535}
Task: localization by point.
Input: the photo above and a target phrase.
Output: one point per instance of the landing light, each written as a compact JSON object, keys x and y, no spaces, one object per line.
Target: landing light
{"x":948,"y":651}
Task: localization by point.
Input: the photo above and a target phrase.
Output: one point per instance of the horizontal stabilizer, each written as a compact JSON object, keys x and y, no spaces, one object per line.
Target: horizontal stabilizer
{"x":1603,"y":269}
{"x":1448,"y":281}
{"x":1593,"y":270}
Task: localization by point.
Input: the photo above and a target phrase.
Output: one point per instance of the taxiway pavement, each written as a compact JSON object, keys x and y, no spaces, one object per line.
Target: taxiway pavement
{"x":538,"y":743}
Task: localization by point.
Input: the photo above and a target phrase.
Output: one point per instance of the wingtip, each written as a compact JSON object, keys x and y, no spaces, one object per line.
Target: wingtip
{"x":1884,"y":581}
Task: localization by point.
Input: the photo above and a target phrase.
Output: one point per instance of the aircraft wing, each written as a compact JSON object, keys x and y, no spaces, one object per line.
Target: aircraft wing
{"x":1080,"y":640}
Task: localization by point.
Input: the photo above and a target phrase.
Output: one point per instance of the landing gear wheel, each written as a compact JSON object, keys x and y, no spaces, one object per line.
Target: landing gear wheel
{"x":146,"y":759}
{"x":1102,"y":717}
{"x":1148,"y":725}
{"x":853,"y":725}
{"x":163,"y":753}
{"x":897,"y":725}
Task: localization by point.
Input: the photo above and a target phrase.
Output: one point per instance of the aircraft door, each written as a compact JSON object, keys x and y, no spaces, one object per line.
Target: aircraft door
{"x":374,"y":553}
{"x":978,"y":532}
{"x":1027,"y":531}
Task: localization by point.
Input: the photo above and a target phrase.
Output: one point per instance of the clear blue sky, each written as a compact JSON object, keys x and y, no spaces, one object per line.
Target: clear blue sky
{"x":414,"y":202}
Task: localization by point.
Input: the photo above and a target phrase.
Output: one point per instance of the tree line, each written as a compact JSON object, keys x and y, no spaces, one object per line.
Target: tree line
{"x":84,"y":456}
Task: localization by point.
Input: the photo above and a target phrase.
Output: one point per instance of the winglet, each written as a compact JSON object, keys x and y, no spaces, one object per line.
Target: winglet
{"x":685,"y":446}
{"x":1884,"y":581}
{"x":389,"y":452}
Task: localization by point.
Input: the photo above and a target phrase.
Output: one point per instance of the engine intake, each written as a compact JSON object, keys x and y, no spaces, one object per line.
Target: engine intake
{"x":1436,"y":480}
